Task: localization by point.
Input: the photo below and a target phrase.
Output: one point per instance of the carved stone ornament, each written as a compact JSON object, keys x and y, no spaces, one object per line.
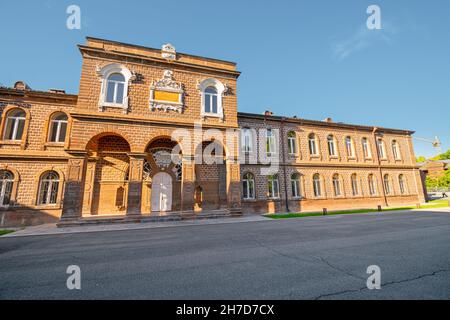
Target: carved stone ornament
{"x":168,"y":52}
{"x":167,"y":94}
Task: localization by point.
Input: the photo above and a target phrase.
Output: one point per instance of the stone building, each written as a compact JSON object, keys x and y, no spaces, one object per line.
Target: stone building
{"x":156,"y":133}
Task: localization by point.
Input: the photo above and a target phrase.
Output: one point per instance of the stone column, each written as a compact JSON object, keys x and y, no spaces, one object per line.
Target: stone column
{"x":234,"y":185}
{"x":134,"y":199}
{"x":74,"y":186}
{"x":89,"y":184}
{"x":188,"y":183}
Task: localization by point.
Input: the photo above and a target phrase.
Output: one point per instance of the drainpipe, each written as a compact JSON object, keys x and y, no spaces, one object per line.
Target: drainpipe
{"x":284,"y":164}
{"x":379,"y":165}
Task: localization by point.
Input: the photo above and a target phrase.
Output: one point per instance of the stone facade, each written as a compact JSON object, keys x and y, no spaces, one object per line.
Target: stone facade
{"x":105,"y":152}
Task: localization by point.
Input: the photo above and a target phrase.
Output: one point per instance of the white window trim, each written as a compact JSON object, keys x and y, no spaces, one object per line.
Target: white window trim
{"x":248,"y":188}
{"x":332,"y":142}
{"x":366,"y":146}
{"x":351,"y":151}
{"x":104,"y":74}
{"x":247,"y":133}
{"x":292,"y":145}
{"x":273,"y":182}
{"x":271,"y":141}
{"x":58,"y":130}
{"x":16,"y":121}
{"x":49,"y":189}
{"x":296,"y":183}
{"x":3,"y":184}
{"x":221,"y":89}
{"x":337,"y":183}
{"x":313,"y":142}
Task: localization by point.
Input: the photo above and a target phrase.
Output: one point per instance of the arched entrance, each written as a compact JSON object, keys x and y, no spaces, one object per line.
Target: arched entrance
{"x":107,"y":172}
{"x":161,"y":192}
{"x":162,"y":176}
{"x":211,"y":176}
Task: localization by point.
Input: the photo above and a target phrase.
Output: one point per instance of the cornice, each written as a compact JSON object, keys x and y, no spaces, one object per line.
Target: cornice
{"x":140,"y":59}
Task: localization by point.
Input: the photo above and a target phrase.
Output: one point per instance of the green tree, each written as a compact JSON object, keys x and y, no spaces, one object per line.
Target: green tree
{"x":421,"y":159}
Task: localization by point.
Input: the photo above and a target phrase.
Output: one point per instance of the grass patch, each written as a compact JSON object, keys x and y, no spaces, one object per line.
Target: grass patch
{"x":3,"y":232}
{"x":432,"y":204}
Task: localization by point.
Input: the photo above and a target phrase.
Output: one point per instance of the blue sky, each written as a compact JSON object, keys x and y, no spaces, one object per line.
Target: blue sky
{"x":314,"y":59}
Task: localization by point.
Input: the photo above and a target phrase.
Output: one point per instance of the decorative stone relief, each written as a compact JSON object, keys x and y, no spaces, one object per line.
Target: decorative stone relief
{"x":167,"y":94}
{"x":168,"y":52}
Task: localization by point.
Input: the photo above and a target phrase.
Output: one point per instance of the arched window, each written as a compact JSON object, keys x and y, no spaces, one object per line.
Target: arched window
{"x":212,"y":91}
{"x":247,"y":140}
{"x":331,"y":145}
{"x":248,"y":183}
{"x":292,"y":143}
{"x":295,"y":185}
{"x":355,"y":189}
{"x":211,"y":100}
{"x":402,"y":184}
{"x":115,"y":78}
{"x":372,"y":185}
{"x":115,"y":86}
{"x":270,"y":142}
{"x":387,"y":184}
{"x":381,"y":151}
{"x":316,"y":185}
{"x":6,"y":185}
{"x":58,"y":128}
{"x":337,"y":185}
{"x":396,"y":150}
{"x":312,"y":144}
{"x":274,"y":187}
{"x":48,"y":188}
{"x":366,"y":148}
{"x":350,"y":147}
{"x":15,"y":124}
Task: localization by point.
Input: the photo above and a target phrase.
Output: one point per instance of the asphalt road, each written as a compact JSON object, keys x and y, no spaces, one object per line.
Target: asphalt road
{"x":307,"y":258}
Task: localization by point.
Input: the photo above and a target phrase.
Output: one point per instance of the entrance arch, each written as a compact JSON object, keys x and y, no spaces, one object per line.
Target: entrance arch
{"x":161,"y":192}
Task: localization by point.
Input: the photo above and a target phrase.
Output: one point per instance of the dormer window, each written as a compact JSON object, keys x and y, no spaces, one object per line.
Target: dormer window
{"x":212,"y":91}
{"x":114,"y":92}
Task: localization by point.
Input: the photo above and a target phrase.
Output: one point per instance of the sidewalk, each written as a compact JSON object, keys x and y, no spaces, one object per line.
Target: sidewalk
{"x":51,"y":229}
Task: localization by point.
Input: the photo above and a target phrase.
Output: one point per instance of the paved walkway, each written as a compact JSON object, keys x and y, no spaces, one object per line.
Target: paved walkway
{"x":50,"y":229}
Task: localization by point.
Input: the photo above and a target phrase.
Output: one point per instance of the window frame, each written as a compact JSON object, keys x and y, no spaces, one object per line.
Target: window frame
{"x":292,"y":143}
{"x":367,"y":152}
{"x":350,"y":147}
{"x":381,"y":149}
{"x":331,"y":143}
{"x":371,"y":181}
{"x":246,"y":178}
{"x":272,"y":181}
{"x":59,"y":182}
{"x":271,"y":142}
{"x":221,"y":89}
{"x":402,"y":184}
{"x":6,"y":184}
{"x":354,"y":184}
{"x":104,"y":74}
{"x":312,"y":144}
{"x":317,"y":185}
{"x":295,"y":186}
{"x":396,"y":150}
{"x":336,"y":181}
{"x":17,"y":120}
{"x":387,"y":184}
{"x":247,"y":133}
{"x":58,"y":129}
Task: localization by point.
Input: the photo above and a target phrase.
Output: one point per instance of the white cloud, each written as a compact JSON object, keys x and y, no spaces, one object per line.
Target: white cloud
{"x":362,"y":39}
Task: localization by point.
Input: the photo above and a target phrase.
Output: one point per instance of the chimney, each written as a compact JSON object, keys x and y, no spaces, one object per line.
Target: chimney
{"x":58,"y":91}
{"x":268,"y":113}
{"x":20,"y":85}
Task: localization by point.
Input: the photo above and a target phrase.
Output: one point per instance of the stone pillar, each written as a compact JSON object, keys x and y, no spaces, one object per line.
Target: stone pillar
{"x":234,"y":185}
{"x":134,"y":199}
{"x":188,"y":183}
{"x":74,"y":186}
{"x":89,"y":184}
